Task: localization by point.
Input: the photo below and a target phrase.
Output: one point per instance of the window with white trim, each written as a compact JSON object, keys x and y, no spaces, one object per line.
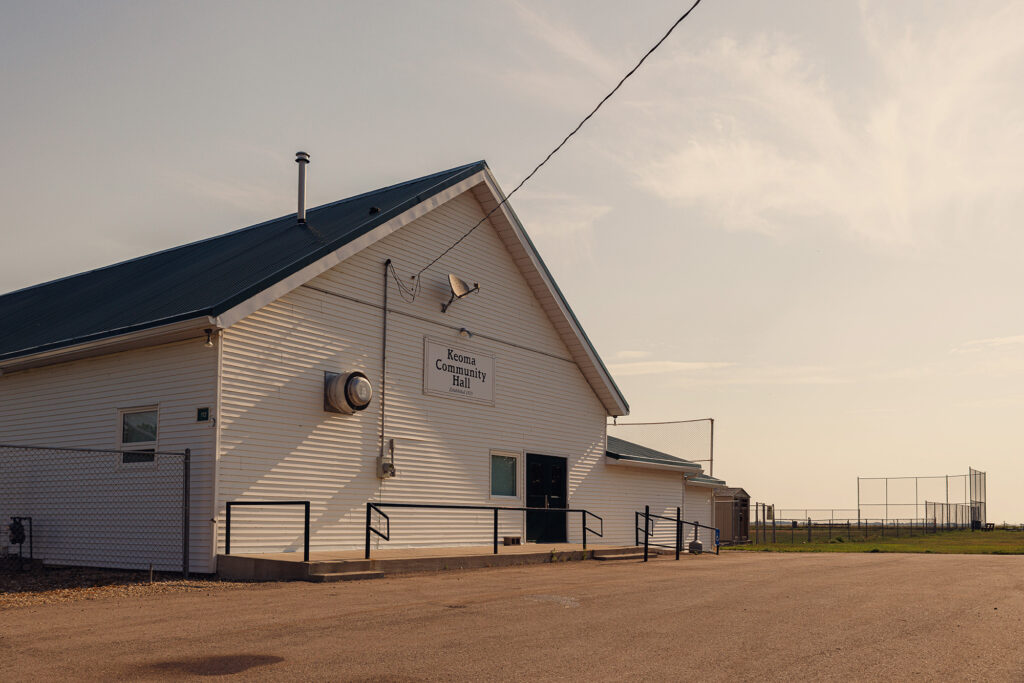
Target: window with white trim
{"x":504,"y":471}
{"x":137,"y":435}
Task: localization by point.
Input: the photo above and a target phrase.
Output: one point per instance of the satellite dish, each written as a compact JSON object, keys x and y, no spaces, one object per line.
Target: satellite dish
{"x":459,"y":289}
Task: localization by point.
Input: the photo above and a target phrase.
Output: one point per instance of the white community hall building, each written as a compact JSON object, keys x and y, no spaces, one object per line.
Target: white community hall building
{"x":299,"y":360}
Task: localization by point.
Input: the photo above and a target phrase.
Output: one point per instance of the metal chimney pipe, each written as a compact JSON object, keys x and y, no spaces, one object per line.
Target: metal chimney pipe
{"x":301,"y":158}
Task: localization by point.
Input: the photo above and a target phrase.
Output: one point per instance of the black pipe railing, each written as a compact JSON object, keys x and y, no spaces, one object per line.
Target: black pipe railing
{"x":648,"y":531}
{"x":227,"y":521}
{"x":386,"y":534}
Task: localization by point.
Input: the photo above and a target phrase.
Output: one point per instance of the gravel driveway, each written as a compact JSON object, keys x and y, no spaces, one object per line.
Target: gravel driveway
{"x":740,"y":616}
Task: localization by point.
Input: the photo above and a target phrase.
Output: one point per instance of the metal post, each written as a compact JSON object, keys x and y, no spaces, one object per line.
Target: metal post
{"x":757,"y":513}
{"x":773,"y":527}
{"x":711,"y":469}
{"x":886,"y":499}
{"x":636,"y":528}
{"x":496,"y":533}
{"x":583,"y":516}
{"x":186,"y":505}
{"x":647,"y":531}
{"x":858,"y":501}
{"x":808,"y":529}
{"x":679,"y":532}
{"x":305,"y":544}
{"x":227,"y":529}
{"x":367,"y":554}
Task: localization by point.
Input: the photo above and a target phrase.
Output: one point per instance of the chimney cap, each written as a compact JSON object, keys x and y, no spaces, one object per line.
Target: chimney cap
{"x":301,"y":157}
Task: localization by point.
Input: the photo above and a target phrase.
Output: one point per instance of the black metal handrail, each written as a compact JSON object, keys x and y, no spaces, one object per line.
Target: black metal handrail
{"x":648,"y":530}
{"x":386,"y":535}
{"x":227,"y":521}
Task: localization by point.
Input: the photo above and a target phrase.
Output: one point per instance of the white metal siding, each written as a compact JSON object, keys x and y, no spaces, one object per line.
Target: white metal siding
{"x":278,"y":443}
{"x":76,"y":404}
{"x":699,"y":507}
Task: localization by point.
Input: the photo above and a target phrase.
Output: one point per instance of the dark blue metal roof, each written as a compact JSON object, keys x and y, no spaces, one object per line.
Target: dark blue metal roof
{"x":198,"y":279}
{"x":620,"y":449}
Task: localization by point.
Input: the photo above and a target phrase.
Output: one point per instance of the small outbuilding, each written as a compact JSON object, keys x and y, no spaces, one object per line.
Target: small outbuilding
{"x":732,"y":512}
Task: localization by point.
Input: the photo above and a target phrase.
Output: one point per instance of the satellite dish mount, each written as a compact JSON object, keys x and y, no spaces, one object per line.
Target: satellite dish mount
{"x":459,"y":289}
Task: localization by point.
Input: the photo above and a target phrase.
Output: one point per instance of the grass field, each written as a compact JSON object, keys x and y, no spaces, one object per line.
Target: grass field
{"x":996,"y":542}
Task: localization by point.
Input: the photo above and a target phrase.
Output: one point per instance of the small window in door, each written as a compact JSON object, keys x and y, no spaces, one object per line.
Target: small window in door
{"x":138,"y":435}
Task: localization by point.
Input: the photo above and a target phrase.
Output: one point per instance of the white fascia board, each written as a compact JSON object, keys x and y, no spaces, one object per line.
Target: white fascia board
{"x":563,"y":306}
{"x":163,"y":334}
{"x":301,"y":277}
{"x":705,"y":484}
{"x":681,"y":470}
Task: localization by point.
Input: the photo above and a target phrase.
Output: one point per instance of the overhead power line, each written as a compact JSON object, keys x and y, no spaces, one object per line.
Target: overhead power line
{"x":414,"y":290}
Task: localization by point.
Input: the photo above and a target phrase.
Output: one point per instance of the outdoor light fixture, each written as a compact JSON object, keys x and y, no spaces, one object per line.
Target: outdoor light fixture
{"x":459,"y":290}
{"x":464,"y":333}
{"x":346,"y":392}
{"x":209,"y":337}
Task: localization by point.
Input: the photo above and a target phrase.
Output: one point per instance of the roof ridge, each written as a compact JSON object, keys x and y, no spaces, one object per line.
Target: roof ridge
{"x":212,"y":238}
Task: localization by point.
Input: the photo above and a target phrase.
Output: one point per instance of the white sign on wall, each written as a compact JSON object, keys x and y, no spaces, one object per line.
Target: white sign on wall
{"x":456,"y":371}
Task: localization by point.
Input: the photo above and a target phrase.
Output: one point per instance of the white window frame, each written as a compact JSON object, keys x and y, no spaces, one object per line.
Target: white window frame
{"x":518,"y":455}
{"x":137,"y":445}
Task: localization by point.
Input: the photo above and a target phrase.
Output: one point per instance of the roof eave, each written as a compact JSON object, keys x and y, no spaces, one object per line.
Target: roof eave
{"x":111,"y":342}
{"x":681,"y":469}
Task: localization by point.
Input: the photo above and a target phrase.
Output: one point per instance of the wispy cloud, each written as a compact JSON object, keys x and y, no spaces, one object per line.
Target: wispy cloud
{"x":754,"y":132}
{"x":632,"y":355}
{"x":566,"y":42}
{"x":663,"y":367}
{"x":783,"y":146}
{"x":975,"y":345}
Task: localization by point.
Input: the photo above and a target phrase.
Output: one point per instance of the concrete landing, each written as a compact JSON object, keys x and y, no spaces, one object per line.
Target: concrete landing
{"x":349,"y":565}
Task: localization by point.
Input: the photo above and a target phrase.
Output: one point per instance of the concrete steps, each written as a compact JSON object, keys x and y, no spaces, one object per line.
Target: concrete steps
{"x":635,"y":553}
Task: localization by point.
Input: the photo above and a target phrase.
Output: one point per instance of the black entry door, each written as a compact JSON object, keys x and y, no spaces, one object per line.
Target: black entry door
{"x":546,"y":488}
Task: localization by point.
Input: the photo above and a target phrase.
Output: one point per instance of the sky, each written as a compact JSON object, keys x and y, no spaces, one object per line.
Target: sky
{"x":798,"y":218}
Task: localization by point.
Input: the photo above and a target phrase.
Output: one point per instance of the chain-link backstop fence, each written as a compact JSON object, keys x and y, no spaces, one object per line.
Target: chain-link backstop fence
{"x":692,"y":440}
{"x":96,"y":508}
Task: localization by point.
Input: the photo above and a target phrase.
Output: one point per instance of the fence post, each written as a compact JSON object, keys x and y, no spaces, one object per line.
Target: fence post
{"x":583,"y":516}
{"x":808,"y":529}
{"x":773,"y":528}
{"x":227,"y":528}
{"x":367,"y":555}
{"x":679,"y":531}
{"x":647,"y":531}
{"x":186,"y":505}
{"x":305,"y":539}
{"x":496,"y":533}
{"x":636,"y":528}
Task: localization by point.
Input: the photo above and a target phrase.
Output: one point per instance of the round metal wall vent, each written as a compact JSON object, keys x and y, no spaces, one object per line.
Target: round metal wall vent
{"x":347,"y":392}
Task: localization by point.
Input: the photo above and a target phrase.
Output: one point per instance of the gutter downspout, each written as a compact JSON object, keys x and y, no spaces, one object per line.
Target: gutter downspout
{"x":383,"y":372}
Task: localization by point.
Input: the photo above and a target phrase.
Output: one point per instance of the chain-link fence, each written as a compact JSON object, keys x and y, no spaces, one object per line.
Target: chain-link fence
{"x":692,"y":440}
{"x":807,"y":530}
{"x":96,"y":508}
{"x":942,"y":497}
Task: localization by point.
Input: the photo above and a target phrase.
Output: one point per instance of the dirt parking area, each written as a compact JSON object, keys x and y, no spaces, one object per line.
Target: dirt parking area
{"x":740,"y":616}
